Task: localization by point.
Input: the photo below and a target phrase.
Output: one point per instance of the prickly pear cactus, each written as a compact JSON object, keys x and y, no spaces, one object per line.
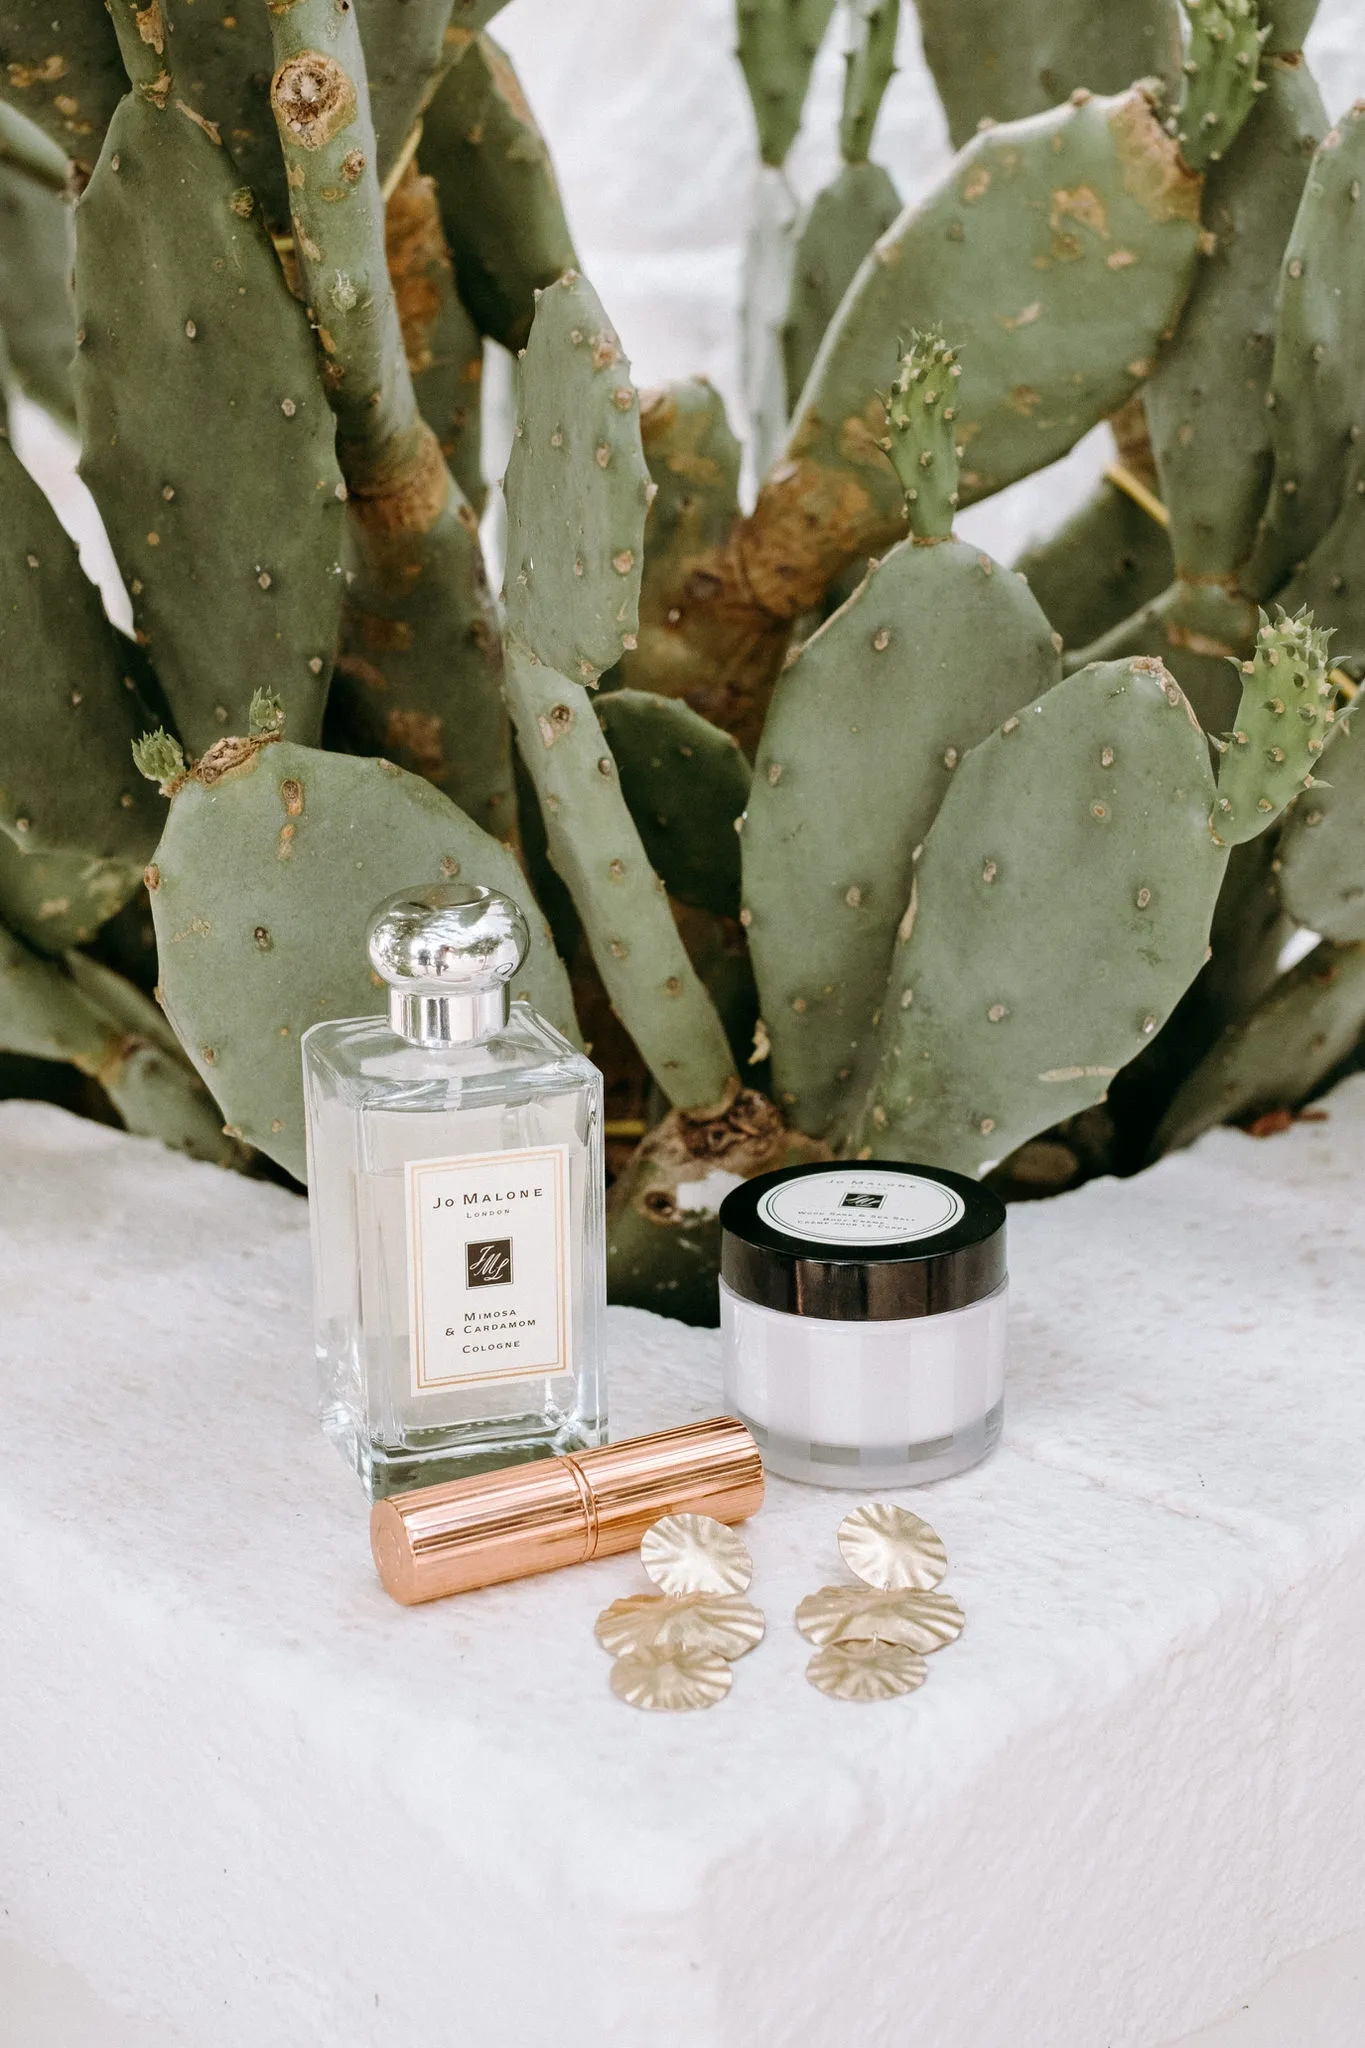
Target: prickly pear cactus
{"x":1086,"y":815}
{"x":1283,"y":724}
{"x":272,"y":858}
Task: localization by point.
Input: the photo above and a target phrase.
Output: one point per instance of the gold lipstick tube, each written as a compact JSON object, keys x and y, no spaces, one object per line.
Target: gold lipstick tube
{"x":558,"y":1511}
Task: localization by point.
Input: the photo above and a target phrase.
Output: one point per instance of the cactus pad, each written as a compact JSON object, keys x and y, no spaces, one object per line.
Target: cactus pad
{"x":864,"y":738}
{"x":67,"y":781}
{"x":1056,"y":253}
{"x":577,"y":489}
{"x":1077,"y":833}
{"x":1002,"y":63}
{"x":105,"y":1027}
{"x":1279,"y":1052}
{"x":778,"y":42}
{"x":685,"y":784}
{"x":272,"y":859}
{"x":1206,"y":399}
{"x":1315,"y":399}
{"x":1283,"y":723}
{"x":57,"y":900}
{"x":504,"y":218}
{"x":597,"y":850}
{"x":841,"y":224}
{"x":208,"y":443}
{"x":1220,"y":78}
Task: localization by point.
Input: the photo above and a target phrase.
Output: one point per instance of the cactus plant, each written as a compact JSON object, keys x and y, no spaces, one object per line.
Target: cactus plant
{"x":974,"y":893}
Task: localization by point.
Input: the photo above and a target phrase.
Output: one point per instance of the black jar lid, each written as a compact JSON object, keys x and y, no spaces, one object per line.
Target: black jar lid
{"x":870,"y":1240}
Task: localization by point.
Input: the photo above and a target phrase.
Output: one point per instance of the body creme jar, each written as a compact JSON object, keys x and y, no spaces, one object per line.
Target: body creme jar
{"x":862,"y":1314}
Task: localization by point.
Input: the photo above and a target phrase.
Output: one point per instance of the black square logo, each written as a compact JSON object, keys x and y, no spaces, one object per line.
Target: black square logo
{"x":856,"y":1201}
{"x":488,"y":1263}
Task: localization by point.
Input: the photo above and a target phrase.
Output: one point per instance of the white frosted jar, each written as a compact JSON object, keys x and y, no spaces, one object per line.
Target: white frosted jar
{"x":863,"y":1321}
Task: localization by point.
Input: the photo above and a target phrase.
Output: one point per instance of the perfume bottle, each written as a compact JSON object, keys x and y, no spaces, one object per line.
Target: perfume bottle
{"x":455,"y":1179}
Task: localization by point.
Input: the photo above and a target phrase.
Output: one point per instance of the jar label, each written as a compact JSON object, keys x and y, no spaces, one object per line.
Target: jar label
{"x":861,"y":1205}
{"x":488,"y":1268}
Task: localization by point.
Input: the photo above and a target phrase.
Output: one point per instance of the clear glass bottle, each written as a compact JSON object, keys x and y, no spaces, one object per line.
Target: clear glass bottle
{"x":455,"y":1179}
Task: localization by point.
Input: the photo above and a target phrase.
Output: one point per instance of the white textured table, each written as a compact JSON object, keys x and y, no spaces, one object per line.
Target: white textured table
{"x":258,"y":1806}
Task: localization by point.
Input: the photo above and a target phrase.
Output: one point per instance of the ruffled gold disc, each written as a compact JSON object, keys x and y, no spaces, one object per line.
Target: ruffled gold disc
{"x":859,"y":1614}
{"x":694,"y":1554}
{"x":889,"y":1547}
{"x":672,"y":1681}
{"x":724,"y":1624}
{"x":865,"y":1671}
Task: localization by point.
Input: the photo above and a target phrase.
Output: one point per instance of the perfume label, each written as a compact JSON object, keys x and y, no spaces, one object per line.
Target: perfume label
{"x":861,"y":1205}
{"x":488,"y":1268}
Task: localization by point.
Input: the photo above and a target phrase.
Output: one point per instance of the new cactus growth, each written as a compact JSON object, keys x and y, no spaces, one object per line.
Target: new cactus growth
{"x":1283,"y":724}
{"x":1220,"y":77}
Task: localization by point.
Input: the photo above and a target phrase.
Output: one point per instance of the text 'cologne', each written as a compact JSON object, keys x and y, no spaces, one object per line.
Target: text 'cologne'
{"x":455,"y":1179}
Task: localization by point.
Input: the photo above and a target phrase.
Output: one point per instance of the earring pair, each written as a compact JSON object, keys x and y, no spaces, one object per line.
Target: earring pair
{"x":674,"y":1648}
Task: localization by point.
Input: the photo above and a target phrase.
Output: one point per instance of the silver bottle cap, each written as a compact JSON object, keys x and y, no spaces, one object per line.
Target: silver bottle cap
{"x":447,"y":951}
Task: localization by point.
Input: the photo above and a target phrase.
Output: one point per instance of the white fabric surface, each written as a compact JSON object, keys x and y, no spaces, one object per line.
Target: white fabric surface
{"x":247,"y":1796}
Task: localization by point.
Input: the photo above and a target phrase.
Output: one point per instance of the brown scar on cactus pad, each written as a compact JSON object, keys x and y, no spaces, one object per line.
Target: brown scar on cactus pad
{"x":313,"y":98}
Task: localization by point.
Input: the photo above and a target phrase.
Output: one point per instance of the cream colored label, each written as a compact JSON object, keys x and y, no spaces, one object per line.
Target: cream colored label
{"x":488,"y":1268}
